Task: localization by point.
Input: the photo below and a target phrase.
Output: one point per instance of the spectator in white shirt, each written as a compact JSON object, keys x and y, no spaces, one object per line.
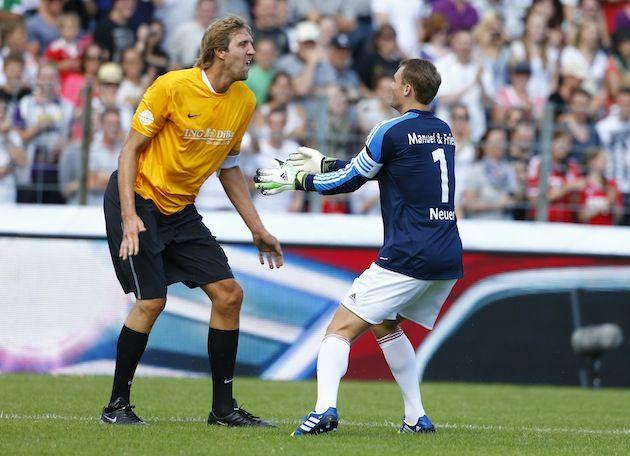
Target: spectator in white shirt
{"x":182,"y":43}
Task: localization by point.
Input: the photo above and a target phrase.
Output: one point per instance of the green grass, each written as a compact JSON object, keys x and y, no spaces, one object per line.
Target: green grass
{"x":58,"y":415}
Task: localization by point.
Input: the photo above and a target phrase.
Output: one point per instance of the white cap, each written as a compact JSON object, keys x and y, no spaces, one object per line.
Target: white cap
{"x":574,"y":69}
{"x":306,"y":31}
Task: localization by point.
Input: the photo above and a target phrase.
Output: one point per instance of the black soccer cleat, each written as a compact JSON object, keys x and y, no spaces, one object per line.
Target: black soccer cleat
{"x":120,"y":412}
{"x":237,"y":417}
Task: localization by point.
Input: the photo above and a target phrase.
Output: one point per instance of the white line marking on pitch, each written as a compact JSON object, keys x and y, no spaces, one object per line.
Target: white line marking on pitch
{"x":384,"y":424}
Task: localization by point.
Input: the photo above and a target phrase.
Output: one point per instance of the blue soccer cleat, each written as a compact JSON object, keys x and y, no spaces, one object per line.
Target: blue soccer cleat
{"x":423,"y":425}
{"x":318,"y":423}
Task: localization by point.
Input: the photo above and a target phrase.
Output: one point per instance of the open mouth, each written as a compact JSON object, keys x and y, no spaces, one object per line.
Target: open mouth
{"x":248,"y":62}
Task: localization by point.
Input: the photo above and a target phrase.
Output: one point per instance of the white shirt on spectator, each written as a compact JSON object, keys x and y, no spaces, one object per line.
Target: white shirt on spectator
{"x":595,"y":70}
{"x":542,"y":73}
{"x":7,"y":182}
{"x":367,"y":199}
{"x":172,"y":13}
{"x":183,"y":43}
{"x":129,"y":90}
{"x":404,"y":16}
{"x":455,"y":77}
{"x":104,"y":160}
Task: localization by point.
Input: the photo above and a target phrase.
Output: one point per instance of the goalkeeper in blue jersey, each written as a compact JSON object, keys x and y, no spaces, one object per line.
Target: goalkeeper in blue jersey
{"x":412,"y":158}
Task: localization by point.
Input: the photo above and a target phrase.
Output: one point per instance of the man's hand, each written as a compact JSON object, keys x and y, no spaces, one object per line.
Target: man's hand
{"x":276,"y":180}
{"x":307,"y":159}
{"x":130,"y":244}
{"x":268,"y":246}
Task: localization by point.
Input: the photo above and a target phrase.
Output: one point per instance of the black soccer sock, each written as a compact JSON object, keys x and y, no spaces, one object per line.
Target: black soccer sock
{"x":222,"y":345}
{"x":131,"y":345}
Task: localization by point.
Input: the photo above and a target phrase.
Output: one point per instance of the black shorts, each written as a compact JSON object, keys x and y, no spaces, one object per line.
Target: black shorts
{"x":174,"y":248}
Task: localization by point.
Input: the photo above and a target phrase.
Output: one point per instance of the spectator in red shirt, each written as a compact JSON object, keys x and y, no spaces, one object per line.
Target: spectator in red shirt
{"x":564,"y":183}
{"x":600,"y":200}
{"x":65,"y":51}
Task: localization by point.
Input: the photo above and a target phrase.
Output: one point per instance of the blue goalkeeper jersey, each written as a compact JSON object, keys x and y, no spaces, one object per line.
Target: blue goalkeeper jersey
{"x":413,"y":158}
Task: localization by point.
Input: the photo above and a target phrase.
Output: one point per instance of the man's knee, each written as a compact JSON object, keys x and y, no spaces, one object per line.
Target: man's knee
{"x":228,"y":298}
{"x":151,"y":307}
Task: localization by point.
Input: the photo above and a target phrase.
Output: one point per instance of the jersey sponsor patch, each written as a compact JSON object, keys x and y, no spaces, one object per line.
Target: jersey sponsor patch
{"x":145,"y":117}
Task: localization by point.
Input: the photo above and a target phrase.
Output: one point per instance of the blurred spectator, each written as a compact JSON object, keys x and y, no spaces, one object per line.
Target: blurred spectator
{"x":405,"y":16}
{"x":267,"y":26}
{"x":534,"y":48}
{"x":109,"y":79}
{"x":461,"y":14}
{"x":338,"y":69}
{"x":571,"y":78}
{"x":587,"y":53}
{"x":308,"y":62}
{"x":87,"y":10}
{"x":366,"y":200}
{"x":276,"y":145}
{"x":15,"y":41}
{"x":378,"y":107}
{"x":600,"y":200}
{"x":327,"y":31}
{"x":564,"y":183}
{"x":381,"y":60}
{"x":434,"y":38}
{"x":263,"y":70}
{"x":242,"y":8}
{"x":181,"y":49}
{"x":341,"y":126}
{"x":134,"y":82}
{"x":591,"y":11}
{"x":490,"y":186}
{"x":74,"y":86}
{"x":172,"y":13}
{"x":493,"y":51}
{"x":512,"y":13}
{"x":281,"y":97}
{"x":522,"y":148}
{"x":618,"y":62}
{"x":104,"y":152}
{"x":14,"y":88}
{"x":12,"y":157}
{"x":149,"y":44}
{"x":464,"y":150}
{"x":621,"y":18}
{"x":343,"y":12}
{"x":614,"y":131}
{"x":64,"y":51}
{"x":578,"y":122}
{"x":461,"y":83}
{"x":45,"y":122}
{"x":43,"y":27}
{"x":113,"y":33}
{"x":517,"y":95}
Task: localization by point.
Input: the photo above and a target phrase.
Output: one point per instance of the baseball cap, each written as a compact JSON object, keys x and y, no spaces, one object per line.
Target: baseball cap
{"x":573,"y":69}
{"x":306,"y":31}
{"x":521,"y":68}
{"x":109,"y":73}
{"x":341,"y":41}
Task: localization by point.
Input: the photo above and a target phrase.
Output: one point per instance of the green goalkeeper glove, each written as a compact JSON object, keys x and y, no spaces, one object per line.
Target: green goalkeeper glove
{"x":310,"y":160}
{"x":282,"y":179}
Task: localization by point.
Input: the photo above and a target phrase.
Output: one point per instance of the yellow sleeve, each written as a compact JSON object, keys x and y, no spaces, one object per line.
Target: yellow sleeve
{"x":238,"y":138}
{"x":154,"y":108}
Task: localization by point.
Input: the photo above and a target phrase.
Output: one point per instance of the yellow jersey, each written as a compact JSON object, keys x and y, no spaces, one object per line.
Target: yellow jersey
{"x":192,"y":130}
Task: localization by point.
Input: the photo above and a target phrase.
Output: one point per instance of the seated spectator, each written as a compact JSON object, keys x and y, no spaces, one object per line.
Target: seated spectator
{"x":521,"y":149}
{"x":587,"y":52}
{"x":266,"y":26}
{"x":14,"y":88}
{"x":493,"y":51}
{"x":180,"y":48}
{"x":64,"y":51}
{"x":44,"y":120}
{"x":149,"y":44}
{"x":618,"y":63}
{"x":263,"y":70}
{"x":15,"y":41}
{"x":461,"y":14}
{"x":43,"y":26}
{"x":490,"y":187}
{"x":578,"y":122}
{"x":461,"y":83}
{"x":614,"y":132}
{"x":12,"y":157}
{"x":465,"y":149}
{"x":382,"y":59}
{"x":113,"y":33}
{"x":378,"y":107}
{"x":518,"y":95}
{"x":405,"y":16}
{"x":134,"y":81}
{"x":281,"y":97}
{"x":571,"y":77}
{"x":434,"y":38}
{"x":601,"y":202}
{"x":276,"y":145}
{"x":564,"y":183}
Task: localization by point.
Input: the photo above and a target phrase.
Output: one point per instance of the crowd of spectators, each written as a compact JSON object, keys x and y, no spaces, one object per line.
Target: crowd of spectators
{"x":322,"y":77}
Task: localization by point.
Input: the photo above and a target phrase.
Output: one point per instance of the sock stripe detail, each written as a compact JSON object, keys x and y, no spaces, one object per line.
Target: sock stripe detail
{"x":336,"y":336}
{"x":390,"y":337}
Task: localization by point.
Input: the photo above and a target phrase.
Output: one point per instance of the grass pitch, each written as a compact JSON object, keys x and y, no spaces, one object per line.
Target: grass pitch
{"x":59,"y":415}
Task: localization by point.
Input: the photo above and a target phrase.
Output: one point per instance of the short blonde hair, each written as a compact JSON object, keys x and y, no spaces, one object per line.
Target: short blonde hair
{"x":217,"y":36}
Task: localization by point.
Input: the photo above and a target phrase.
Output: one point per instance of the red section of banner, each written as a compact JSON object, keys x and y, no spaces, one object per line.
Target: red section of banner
{"x":366,"y":359}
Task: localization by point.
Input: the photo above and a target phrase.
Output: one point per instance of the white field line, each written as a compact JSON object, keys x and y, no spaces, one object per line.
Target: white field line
{"x":383,"y":424}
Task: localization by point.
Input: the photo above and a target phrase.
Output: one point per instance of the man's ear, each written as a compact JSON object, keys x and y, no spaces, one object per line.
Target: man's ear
{"x":220,"y":53}
{"x":407,"y":89}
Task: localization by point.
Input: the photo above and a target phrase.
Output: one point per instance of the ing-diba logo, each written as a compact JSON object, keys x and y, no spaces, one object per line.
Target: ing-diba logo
{"x":210,"y":136}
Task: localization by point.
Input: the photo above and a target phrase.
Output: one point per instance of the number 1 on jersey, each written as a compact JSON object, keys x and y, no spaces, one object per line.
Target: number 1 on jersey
{"x":438,"y":155}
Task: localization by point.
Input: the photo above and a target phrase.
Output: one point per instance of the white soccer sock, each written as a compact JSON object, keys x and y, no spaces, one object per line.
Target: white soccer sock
{"x":332,"y":364}
{"x":401,"y":358}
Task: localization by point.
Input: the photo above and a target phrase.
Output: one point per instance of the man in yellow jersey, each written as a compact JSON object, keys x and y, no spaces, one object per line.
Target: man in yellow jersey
{"x":188,"y":125}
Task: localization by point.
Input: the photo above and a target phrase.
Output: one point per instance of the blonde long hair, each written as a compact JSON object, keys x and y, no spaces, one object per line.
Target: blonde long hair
{"x":217,"y":36}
